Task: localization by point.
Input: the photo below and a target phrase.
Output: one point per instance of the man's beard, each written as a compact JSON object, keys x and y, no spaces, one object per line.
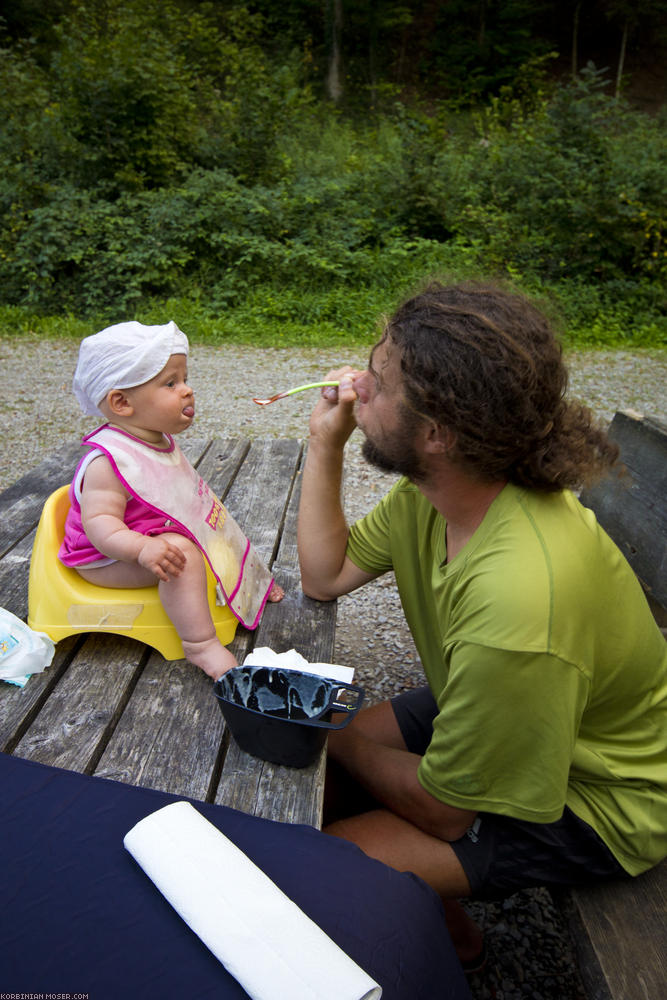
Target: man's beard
{"x":398,"y":455}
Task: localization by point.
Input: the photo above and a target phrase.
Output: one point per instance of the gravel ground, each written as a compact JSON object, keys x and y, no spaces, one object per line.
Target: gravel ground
{"x":529,"y":950}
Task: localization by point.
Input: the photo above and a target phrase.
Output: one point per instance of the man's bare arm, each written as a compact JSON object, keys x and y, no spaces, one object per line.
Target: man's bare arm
{"x":390,"y":776}
{"x":326,"y":572}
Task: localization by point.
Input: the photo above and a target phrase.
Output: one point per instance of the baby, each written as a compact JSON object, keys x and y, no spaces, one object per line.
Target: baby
{"x":140,"y":514}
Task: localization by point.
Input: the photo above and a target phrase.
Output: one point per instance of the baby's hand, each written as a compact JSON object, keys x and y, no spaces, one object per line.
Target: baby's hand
{"x":161,"y":557}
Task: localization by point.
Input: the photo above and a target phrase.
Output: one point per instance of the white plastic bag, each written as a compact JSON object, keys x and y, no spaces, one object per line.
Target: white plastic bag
{"x":22,"y":651}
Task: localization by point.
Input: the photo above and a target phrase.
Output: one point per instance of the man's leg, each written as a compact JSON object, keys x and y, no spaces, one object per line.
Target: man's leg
{"x":343,"y":796}
{"x":398,"y":843}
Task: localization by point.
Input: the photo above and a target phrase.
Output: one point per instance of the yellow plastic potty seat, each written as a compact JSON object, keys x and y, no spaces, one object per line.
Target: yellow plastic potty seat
{"x":62,"y":603}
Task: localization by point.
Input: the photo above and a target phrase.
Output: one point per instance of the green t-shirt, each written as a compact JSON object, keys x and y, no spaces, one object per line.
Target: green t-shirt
{"x":548,"y":668}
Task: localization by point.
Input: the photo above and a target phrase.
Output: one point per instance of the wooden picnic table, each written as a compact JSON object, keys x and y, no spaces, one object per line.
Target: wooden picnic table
{"x":112,"y":707}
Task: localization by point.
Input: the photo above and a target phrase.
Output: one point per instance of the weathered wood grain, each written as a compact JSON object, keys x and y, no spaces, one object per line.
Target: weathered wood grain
{"x":21,"y":504}
{"x":270,"y":790}
{"x":632,"y":507}
{"x":73,"y":726}
{"x":619,"y":931}
{"x":170,"y":733}
{"x":19,"y":706}
{"x":259,"y":495}
{"x":220,"y":463}
{"x":194,"y":447}
{"x":298,"y":621}
{"x":14,"y":573}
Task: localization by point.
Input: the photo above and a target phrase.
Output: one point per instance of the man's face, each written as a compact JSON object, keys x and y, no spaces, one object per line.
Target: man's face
{"x":382,"y":414}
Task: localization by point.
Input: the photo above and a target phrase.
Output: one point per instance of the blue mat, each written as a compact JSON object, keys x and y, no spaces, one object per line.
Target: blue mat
{"x":78,"y":915}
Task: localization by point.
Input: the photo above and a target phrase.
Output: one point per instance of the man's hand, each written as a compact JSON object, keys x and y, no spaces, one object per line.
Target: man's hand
{"x":332,"y":420}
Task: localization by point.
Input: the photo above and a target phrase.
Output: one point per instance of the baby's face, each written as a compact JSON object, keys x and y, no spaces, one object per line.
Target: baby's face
{"x":165,"y":404}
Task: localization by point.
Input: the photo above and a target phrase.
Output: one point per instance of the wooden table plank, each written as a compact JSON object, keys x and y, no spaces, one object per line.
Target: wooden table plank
{"x":297,"y":622}
{"x":619,"y":931}
{"x":170,"y":733}
{"x":259,"y":495}
{"x":14,"y":571}
{"x":270,"y":790}
{"x":19,"y":706}
{"x":220,"y":462}
{"x":72,"y":727}
{"x":21,"y":504}
{"x":152,"y":720}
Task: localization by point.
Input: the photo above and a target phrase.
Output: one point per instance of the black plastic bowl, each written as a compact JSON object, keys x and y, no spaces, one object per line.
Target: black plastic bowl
{"x":283,"y":716}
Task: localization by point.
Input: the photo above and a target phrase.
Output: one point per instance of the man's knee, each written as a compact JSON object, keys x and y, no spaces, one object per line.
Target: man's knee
{"x":400,"y":844}
{"x":378,"y":723}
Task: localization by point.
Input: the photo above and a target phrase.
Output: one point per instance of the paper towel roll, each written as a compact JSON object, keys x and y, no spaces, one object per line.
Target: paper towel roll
{"x":261,"y":937}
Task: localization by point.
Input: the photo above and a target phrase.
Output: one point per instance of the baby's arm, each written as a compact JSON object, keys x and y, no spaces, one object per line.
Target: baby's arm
{"x":103,"y":502}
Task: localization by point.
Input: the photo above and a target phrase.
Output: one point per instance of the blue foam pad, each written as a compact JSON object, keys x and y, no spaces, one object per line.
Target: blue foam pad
{"x":78,"y":915}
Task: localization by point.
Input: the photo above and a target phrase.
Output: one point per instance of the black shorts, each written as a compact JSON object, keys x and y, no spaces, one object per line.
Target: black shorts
{"x":500,"y":854}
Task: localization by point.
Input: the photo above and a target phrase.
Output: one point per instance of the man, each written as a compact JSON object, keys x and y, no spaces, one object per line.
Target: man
{"x":538,"y":752}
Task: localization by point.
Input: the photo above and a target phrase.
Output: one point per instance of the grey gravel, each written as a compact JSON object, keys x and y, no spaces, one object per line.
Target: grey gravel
{"x":529,"y":951}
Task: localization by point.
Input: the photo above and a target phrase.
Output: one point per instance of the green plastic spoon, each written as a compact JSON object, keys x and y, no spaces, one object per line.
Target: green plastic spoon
{"x":290,"y":392}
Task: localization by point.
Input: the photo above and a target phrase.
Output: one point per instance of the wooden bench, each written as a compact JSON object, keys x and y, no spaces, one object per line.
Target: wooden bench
{"x":110,"y":706}
{"x":619,"y":930}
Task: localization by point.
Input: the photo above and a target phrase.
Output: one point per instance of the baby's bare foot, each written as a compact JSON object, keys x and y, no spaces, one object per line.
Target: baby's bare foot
{"x":276,"y":593}
{"x":209,"y":654}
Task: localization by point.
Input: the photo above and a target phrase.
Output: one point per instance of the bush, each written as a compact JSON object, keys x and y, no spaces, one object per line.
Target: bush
{"x":201,"y":173}
{"x":573,"y":190}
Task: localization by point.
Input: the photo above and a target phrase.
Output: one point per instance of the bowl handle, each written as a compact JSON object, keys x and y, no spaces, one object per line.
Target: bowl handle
{"x":337,"y":703}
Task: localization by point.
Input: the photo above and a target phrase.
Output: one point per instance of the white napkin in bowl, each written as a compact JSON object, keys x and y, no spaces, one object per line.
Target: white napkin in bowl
{"x":261,"y":937}
{"x":291,"y":660}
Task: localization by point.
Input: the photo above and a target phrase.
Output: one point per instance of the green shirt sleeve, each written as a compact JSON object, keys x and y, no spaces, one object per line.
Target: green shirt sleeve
{"x":504,"y":739}
{"x":369,"y":541}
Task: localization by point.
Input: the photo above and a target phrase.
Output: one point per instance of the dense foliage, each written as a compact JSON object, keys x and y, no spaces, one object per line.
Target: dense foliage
{"x":199,"y":169}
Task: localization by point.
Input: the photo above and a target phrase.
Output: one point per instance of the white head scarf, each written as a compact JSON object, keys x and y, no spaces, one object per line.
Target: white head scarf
{"x":123,"y":356}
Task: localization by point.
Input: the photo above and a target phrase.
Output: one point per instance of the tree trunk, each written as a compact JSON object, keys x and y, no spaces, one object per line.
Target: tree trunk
{"x":334,"y":82}
{"x":621,"y":60}
{"x":481,"y":28}
{"x":575,"y":40}
{"x":372,"y":52}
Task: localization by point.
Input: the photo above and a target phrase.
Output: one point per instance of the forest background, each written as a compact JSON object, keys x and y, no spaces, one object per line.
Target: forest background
{"x":281,"y":173}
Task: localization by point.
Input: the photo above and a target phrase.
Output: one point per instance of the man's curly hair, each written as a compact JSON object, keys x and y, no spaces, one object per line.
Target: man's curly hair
{"x":486,"y":364}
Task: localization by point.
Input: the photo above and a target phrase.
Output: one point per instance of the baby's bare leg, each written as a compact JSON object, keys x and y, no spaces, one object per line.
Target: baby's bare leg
{"x":118,"y":574}
{"x":184,"y":598}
